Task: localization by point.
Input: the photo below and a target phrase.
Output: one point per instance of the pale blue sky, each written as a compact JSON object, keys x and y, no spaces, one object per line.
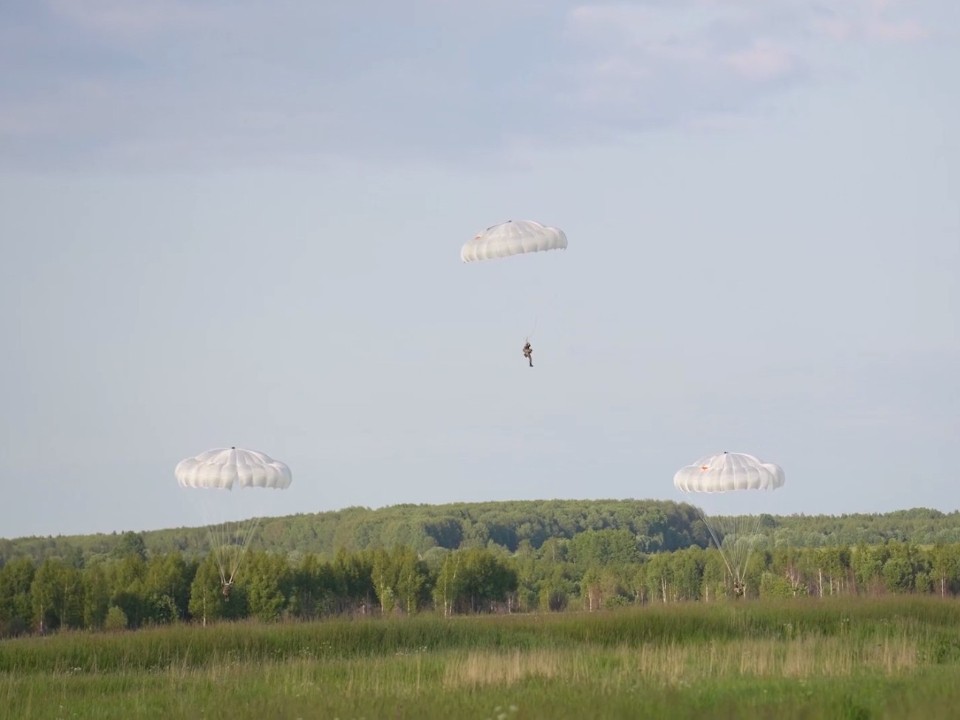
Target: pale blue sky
{"x":240,"y":223}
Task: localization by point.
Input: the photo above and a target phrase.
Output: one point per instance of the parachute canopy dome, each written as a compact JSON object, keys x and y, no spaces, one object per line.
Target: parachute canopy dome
{"x":513,"y":237}
{"x":728,"y":472}
{"x":226,"y":468}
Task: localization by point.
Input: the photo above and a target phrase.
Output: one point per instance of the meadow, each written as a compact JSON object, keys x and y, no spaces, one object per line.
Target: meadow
{"x":858,"y":658}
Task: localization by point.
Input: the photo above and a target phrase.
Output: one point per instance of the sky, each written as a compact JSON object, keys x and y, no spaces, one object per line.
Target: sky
{"x":239,"y":224}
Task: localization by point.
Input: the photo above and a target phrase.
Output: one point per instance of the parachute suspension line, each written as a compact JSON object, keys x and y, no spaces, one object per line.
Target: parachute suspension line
{"x":739,"y":548}
{"x":737,"y":532}
{"x":249,"y":531}
{"x":221,"y":550}
{"x":217,"y":535}
{"x":543,"y":296}
{"x":746,"y":523}
{"x":736,"y":546}
{"x":718,"y":543}
{"x":223,"y":472}
{"x":228,"y":540}
{"x":226,"y":550}
{"x":531,"y":333}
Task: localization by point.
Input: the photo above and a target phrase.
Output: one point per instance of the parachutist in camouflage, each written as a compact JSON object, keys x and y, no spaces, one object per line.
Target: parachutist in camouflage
{"x":528,"y":352}
{"x":226,"y":589}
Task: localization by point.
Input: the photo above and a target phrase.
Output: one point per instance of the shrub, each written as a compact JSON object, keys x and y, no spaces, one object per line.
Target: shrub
{"x":116,"y":619}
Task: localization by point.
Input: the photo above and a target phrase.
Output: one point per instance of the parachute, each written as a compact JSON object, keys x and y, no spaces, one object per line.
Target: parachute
{"x":216,"y":475}
{"x":513,"y":237}
{"x":517,"y":237}
{"x":734,"y":535}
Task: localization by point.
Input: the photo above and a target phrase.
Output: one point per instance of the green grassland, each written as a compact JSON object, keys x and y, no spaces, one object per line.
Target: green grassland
{"x":845,"y":658}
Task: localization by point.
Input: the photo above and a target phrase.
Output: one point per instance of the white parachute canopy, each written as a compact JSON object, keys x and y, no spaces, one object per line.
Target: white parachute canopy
{"x":734,"y":535}
{"x":727,"y":472}
{"x":215,"y":477}
{"x":513,"y":237}
{"x":226,"y":468}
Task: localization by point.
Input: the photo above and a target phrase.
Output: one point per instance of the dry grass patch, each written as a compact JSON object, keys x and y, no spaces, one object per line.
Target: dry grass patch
{"x":508,"y":668}
{"x":808,"y":657}
{"x":679,"y":664}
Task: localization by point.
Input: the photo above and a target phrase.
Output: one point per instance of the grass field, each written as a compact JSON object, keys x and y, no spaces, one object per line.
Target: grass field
{"x":855,"y":658}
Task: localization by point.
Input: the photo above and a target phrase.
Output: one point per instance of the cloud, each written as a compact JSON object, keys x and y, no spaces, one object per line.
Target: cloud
{"x":122,"y":20}
{"x":107,"y":83}
{"x":763,"y":60}
{"x":648,"y":64}
{"x":643,"y":66}
{"x":896,"y":31}
{"x":871,"y":20}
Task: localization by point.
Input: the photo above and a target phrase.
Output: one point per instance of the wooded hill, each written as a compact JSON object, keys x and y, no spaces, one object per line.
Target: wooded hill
{"x":656,"y":525}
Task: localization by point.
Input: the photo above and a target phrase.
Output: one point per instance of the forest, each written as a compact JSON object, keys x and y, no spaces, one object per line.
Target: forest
{"x":465,"y":559}
{"x":657,"y":526}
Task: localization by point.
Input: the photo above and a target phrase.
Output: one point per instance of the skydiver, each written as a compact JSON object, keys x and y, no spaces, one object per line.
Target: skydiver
{"x":528,"y":352}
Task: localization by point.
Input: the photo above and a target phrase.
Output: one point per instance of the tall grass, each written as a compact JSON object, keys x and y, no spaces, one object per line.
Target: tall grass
{"x":845,"y":658}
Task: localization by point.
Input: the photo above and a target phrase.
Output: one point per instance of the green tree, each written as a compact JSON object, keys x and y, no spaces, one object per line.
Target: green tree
{"x":487,"y":579}
{"x":591,"y":589}
{"x":268,"y":580}
{"x":384,"y":577}
{"x":96,"y":597}
{"x":902,"y":567}
{"x":412,"y":579}
{"x":208,"y":602}
{"x":131,"y":543}
{"x":449,"y":584}
{"x":604,"y":547}
{"x":775,"y":586}
{"x":314,"y":588}
{"x":115,"y":619}
{"x":658,"y":572}
{"x":553,"y":577}
{"x":790,"y":564}
{"x":57,"y":593}
{"x":166,"y":588}
{"x":554,"y":591}
{"x":353,"y":574}
{"x":868,"y":562}
{"x":714,"y":575}
{"x":16,"y":609}
{"x":945,"y":567}
{"x":126,"y":576}
{"x":687,"y":572}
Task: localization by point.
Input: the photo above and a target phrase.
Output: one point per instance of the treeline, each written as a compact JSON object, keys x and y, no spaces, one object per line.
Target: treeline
{"x":656,"y":525}
{"x":132,"y":589}
{"x":514,"y":526}
{"x":593,"y":570}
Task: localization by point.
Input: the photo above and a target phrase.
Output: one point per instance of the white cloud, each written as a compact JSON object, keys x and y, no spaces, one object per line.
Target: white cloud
{"x":122,"y":20}
{"x":105,"y":81}
{"x":654,"y":63}
{"x":763,"y":60}
{"x":673,"y":63}
{"x":897,"y":30}
{"x":872,"y":21}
